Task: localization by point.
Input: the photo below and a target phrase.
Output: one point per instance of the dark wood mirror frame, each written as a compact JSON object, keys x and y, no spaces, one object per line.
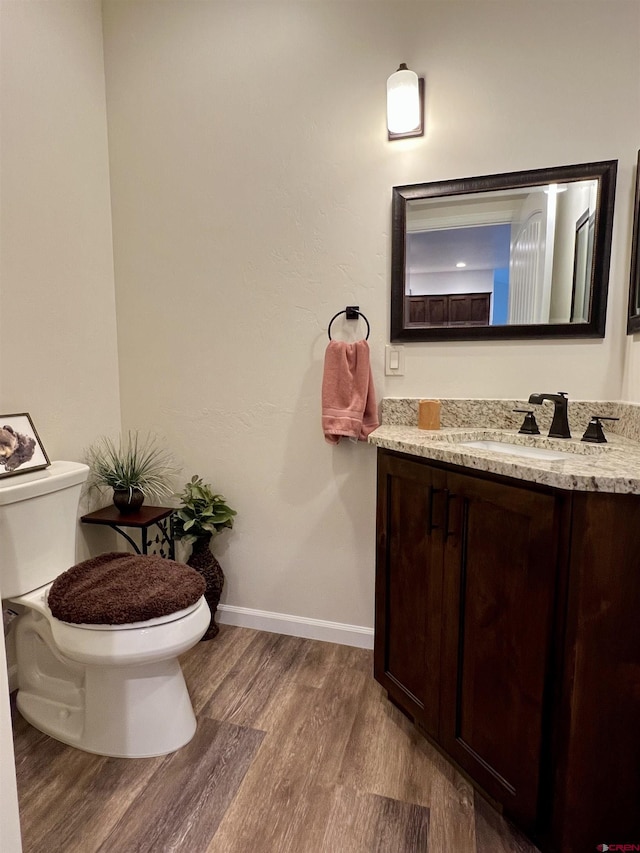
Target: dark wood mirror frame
{"x":633,"y":317}
{"x":604,"y":172}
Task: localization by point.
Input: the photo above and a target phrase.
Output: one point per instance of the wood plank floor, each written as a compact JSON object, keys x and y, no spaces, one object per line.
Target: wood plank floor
{"x":297,"y":751}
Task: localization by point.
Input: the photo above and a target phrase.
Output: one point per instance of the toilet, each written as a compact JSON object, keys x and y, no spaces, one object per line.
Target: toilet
{"x":115,"y":690}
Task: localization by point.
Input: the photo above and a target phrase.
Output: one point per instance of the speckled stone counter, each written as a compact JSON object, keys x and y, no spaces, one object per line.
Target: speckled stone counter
{"x":610,"y":467}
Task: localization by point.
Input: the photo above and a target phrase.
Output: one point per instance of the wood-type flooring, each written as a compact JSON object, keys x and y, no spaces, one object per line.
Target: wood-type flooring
{"x":297,"y":751}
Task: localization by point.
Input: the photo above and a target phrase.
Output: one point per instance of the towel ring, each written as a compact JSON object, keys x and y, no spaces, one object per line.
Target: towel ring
{"x":352,"y":312}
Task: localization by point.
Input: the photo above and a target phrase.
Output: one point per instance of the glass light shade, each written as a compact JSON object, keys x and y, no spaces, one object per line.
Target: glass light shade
{"x":403,"y":101}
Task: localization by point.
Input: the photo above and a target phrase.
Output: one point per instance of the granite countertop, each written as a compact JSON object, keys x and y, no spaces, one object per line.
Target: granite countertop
{"x":610,"y":467}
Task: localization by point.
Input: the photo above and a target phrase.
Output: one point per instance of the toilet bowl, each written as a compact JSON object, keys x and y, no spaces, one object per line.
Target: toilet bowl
{"x":115,"y":690}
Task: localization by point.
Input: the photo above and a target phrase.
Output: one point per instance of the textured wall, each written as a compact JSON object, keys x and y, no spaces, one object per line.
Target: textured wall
{"x":58,"y":356}
{"x":251,"y":186}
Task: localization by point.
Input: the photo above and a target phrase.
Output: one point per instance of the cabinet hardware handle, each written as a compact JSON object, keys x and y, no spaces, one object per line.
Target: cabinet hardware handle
{"x":447,"y":502}
{"x":430,"y":525}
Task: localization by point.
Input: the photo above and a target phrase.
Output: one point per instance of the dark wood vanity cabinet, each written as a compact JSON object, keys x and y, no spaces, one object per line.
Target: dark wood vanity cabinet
{"x":494,"y":634}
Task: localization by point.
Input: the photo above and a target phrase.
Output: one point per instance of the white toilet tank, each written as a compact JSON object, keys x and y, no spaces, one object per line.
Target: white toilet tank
{"x":38,"y":520}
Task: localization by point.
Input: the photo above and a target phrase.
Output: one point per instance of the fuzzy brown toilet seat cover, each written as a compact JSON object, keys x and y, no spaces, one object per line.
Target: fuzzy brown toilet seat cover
{"x":119,"y":588}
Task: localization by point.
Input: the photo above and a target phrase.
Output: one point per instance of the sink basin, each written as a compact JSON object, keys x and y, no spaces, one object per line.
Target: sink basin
{"x":522,"y":450}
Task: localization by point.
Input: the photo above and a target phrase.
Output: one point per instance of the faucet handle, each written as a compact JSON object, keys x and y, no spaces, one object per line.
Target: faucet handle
{"x":594,"y":432}
{"x":529,"y":425}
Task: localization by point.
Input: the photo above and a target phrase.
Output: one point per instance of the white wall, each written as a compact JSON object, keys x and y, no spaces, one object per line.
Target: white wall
{"x":58,"y":357}
{"x":251,"y":182}
{"x":631,"y":383}
{"x":468,"y":281}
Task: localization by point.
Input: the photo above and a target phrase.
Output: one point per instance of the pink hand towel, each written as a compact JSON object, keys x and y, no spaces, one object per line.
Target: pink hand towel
{"x":348,"y":397}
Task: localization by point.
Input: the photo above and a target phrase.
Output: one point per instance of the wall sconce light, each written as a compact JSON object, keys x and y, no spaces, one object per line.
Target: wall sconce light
{"x":405,"y":104}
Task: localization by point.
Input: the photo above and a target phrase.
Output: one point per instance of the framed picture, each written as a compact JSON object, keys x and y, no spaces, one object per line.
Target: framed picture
{"x":20,"y":447}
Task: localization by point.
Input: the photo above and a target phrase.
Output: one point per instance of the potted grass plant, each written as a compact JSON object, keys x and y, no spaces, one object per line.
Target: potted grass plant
{"x":203,"y":514}
{"x":136,"y":469}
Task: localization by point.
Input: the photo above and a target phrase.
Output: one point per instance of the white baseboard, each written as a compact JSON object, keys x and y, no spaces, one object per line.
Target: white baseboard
{"x":296,"y":626}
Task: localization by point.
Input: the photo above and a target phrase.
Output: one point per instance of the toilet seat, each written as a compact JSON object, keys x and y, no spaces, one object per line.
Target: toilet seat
{"x":122,"y":645}
{"x":37,"y":600}
{"x":150,"y":623}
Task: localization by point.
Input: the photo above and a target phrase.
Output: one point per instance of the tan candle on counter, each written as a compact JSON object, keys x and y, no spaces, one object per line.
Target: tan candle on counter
{"x":429,"y":414}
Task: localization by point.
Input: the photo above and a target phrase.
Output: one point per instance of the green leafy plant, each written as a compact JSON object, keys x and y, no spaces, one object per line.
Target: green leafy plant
{"x":201,"y":512}
{"x":131,"y":463}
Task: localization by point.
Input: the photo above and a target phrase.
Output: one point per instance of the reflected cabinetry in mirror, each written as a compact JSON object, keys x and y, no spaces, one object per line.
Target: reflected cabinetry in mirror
{"x":517,"y":255}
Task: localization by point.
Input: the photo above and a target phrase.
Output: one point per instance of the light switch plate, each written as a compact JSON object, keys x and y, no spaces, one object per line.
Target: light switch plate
{"x":393,"y":360}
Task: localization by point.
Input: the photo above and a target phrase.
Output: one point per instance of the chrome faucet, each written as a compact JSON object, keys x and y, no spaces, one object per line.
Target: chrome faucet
{"x":560,"y":424}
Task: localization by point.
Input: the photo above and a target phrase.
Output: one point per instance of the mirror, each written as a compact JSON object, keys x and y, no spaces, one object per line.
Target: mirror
{"x":517,"y":255}
{"x":633,"y":321}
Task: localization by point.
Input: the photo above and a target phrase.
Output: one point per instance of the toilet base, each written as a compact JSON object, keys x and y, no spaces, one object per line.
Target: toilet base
{"x":155,"y":713}
{"x":135,"y":711}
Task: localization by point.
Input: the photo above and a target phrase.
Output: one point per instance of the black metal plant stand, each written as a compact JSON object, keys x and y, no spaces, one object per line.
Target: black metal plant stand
{"x":160,"y":541}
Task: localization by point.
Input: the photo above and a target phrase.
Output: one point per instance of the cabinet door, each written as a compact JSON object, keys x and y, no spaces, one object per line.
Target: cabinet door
{"x":417,"y":312}
{"x":501,"y":557}
{"x":436,"y":310}
{"x":469,"y":309}
{"x":409,"y":586}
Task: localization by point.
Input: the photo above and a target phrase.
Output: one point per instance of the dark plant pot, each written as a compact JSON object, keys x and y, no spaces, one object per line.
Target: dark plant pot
{"x":128,"y":501}
{"x":203,"y":561}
